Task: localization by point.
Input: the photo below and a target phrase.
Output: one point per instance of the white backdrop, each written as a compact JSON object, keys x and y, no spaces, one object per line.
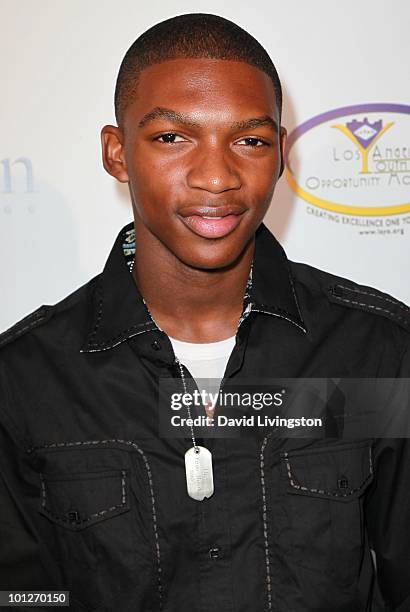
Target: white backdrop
{"x":60,"y":212}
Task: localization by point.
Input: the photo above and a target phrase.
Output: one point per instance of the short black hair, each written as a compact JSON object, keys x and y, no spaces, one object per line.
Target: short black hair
{"x":193,"y":35}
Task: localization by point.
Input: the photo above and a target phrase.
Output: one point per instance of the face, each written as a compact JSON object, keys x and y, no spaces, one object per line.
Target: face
{"x":202,"y":149}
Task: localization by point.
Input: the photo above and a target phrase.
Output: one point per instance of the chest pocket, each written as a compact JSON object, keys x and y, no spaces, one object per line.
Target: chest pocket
{"x":80,"y":500}
{"x":324,"y":493}
{"x":98,"y":520}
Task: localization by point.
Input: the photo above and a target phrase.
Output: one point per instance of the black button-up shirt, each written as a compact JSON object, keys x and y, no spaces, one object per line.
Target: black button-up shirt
{"x":93,"y":500}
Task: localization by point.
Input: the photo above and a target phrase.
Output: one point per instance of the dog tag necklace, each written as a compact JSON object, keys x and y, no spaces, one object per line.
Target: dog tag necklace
{"x":198,"y":461}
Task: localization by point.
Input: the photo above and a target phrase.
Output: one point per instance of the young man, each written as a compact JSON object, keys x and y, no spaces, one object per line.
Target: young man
{"x":93,"y":499}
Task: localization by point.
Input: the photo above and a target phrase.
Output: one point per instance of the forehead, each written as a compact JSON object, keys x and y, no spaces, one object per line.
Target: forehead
{"x":205,"y":87}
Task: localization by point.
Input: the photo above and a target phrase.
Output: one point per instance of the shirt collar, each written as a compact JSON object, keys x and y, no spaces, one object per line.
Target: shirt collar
{"x":119,"y":311}
{"x":273,"y":290}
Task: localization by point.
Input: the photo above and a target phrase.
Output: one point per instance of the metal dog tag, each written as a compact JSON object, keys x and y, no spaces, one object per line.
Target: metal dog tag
{"x":199,"y":474}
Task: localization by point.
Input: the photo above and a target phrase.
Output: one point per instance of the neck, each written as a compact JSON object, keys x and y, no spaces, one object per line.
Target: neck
{"x":190,"y":304}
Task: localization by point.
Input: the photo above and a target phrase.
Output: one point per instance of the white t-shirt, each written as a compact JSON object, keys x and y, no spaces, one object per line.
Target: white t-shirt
{"x":204,"y":360}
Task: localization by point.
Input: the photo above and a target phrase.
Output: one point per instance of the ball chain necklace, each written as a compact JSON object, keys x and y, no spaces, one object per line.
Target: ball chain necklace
{"x":198,"y":459}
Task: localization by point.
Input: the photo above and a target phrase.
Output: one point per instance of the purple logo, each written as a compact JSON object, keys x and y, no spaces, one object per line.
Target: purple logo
{"x":364,"y":135}
{"x":361,"y":160}
{"x":364,"y":131}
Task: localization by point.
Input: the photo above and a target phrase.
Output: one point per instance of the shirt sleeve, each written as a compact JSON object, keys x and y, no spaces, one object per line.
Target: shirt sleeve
{"x":25,"y":561}
{"x":388,"y":513}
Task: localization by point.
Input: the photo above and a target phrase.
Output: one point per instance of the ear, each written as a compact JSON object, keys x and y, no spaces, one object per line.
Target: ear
{"x":113,"y":152}
{"x":282,"y":147}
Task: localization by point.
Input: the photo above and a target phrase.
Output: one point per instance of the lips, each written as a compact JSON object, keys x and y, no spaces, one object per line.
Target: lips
{"x":212,"y":222}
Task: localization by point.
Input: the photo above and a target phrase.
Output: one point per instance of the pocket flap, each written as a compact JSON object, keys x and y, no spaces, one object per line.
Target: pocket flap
{"x":77,"y":501}
{"x":339,"y":472}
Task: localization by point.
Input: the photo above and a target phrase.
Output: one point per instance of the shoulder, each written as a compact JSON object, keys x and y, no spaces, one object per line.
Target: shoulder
{"x":34,"y":319}
{"x":49,"y":321}
{"x":342,"y":293}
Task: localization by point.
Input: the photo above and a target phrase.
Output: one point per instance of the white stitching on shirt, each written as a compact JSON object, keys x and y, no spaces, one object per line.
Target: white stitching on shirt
{"x":110,"y":346}
{"x":16,"y":331}
{"x":274,"y":314}
{"x":291,"y":281}
{"x":380,"y":297}
{"x":265,"y":524}
{"x":396,"y":316}
{"x":151,"y":486}
{"x":91,"y":516}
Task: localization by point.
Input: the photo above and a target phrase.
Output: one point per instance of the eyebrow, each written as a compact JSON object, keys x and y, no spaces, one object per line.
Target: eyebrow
{"x":165,"y":113}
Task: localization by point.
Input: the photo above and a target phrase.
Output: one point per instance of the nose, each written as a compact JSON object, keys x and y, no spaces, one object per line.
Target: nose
{"x":213,"y":171}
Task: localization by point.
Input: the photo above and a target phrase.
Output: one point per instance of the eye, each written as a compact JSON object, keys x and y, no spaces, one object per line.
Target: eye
{"x":169,"y":138}
{"x":252,"y":141}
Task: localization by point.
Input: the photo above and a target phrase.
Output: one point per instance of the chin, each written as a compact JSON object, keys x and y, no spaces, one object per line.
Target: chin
{"x":214,"y":256}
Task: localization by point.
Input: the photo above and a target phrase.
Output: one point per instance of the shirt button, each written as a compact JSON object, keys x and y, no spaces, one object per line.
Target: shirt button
{"x":214,"y":552}
{"x":343,"y":483}
{"x":156,"y":345}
